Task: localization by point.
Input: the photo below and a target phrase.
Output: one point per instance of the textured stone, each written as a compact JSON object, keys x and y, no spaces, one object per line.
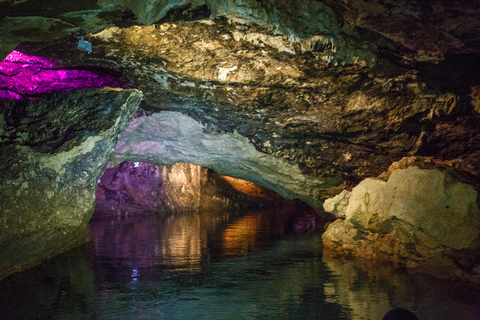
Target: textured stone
{"x":330,"y":119}
{"x":413,"y":30}
{"x":170,"y":137}
{"x":52,"y":153}
{"x":129,"y":189}
{"x":430,"y":200}
{"x":140,"y":188}
{"x":326,"y":90}
{"x":338,"y":204}
{"x":414,"y":217}
{"x":31,"y":77}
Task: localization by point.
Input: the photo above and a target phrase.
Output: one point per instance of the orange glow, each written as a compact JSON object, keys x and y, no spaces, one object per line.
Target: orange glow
{"x":241,"y":236}
{"x":248,"y":188}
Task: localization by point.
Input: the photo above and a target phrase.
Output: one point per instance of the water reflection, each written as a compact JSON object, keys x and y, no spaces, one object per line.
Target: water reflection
{"x":181,"y":241}
{"x":221,"y":265}
{"x":370,"y":290}
{"x":241,"y":236}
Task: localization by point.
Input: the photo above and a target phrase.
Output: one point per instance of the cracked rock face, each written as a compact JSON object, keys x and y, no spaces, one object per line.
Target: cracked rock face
{"x":310,"y":82}
{"x":327,"y":118}
{"x":50,"y":169}
{"x":140,"y":188}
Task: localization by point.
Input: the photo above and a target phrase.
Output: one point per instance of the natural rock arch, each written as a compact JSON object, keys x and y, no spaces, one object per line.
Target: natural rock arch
{"x":50,"y":168}
{"x":171,"y":137}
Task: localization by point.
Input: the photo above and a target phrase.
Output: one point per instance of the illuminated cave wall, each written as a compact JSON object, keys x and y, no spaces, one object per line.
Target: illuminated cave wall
{"x":138,"y":188}
{"x":24,"y":76}
{"x":308,"y":94}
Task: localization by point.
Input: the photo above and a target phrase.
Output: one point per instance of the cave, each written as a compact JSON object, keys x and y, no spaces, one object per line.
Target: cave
{"x":348,"y":132}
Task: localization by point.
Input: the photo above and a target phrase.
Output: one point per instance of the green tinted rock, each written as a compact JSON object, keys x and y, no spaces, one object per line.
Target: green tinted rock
{"x":49,"y":176}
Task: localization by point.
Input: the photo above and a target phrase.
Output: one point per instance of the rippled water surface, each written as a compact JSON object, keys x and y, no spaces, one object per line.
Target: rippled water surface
{"x":260,"y":265}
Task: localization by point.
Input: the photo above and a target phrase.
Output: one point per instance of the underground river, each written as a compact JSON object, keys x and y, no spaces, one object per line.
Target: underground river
{"x":255,"y":264}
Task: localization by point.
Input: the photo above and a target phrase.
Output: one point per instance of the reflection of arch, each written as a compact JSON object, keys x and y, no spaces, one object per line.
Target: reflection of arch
{"x":170,"y":137}
{"x":241,"y":236}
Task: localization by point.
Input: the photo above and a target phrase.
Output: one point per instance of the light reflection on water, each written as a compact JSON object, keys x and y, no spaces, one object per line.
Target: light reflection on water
{"x":220,"y":266}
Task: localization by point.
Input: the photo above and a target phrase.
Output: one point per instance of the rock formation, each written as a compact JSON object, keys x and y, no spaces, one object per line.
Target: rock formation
{"x":170,"y":137}
{"x":129,"y":188}
{"x":326,"y":117}
{"x":53,"y":151}
{"x":416,"y":216}
{"x":138,"y":188}
{"x":300,"y":97}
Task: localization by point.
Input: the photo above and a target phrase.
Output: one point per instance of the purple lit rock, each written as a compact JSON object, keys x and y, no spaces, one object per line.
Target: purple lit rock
{"x":130,"y":189}
{"x":29,"y":76}
{"x":7,"y":94}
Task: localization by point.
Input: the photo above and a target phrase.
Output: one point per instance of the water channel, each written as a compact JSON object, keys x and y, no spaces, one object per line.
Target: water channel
{"x":257,"y":264}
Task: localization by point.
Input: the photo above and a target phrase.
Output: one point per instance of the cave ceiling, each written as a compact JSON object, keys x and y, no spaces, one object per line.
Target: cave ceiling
{"x":342,"y":88}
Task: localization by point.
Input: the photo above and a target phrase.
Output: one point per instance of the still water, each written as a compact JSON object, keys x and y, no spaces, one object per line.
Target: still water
{"x":264,"y":264}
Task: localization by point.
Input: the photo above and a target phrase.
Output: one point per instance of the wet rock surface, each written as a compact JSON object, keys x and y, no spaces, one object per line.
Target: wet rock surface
{"x":415,"y":217}
{"x":415,"y":30}
{"x":52,"y":153}
{"x":129,"y":188}
{"x":327,"y":117}
{"x":312,"y":83}
{"x":23,"y":76}
{"x":170,"y":137}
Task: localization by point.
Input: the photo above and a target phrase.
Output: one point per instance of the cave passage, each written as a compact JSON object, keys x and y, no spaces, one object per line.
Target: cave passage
{"x":369,"y":111}
{"x":139,"y":189}
{"x":144,"y":190}
{"x":239,"y":255}
{"x":189,"y":204}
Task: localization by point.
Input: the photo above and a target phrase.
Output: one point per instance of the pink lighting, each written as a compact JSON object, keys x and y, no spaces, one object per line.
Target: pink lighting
{"x":23,"y":76}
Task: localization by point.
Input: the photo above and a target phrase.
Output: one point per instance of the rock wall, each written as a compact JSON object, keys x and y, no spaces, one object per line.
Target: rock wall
{"x":415,"y":217}
{"x":52,"y":152}
{"x":296,"y":96}
{"x":323,"y":84}
{"x":129,"y":189}
{"x":184,"y":186}
{"x":138,"y":188}
{"x":336,"y":30}
{"x":330,"y":119}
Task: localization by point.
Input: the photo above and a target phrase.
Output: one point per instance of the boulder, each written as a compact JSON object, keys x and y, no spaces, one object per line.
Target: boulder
{"x":52,"y":152}
{"x":415,"y":216}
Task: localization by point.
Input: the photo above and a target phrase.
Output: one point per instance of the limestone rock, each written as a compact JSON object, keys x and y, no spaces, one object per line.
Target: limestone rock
{"x":431,"y":200}
{"x":52,"y":152}
{"x":345,"y":120}
{"x":129,"y":188}
{"x":338,"y":204}
{"x":132,"y":189}
{"x":416,"y":30}
{"x":415,"y":216}
{"x":309,"y":92}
